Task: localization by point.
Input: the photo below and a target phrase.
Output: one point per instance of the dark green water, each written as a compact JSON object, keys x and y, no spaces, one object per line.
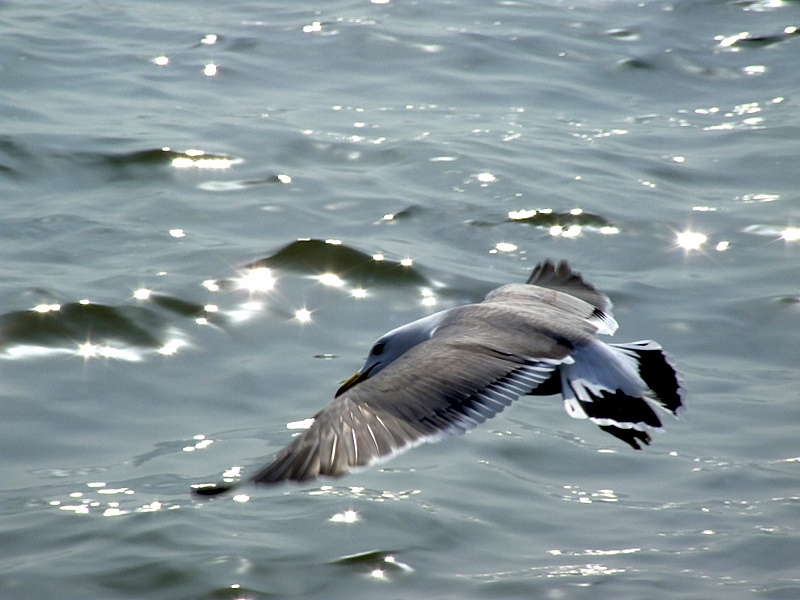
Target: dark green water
{"x":384,"y":161}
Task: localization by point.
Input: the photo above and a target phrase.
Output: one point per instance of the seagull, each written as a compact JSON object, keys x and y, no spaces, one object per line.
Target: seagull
{"x":448,"y":372}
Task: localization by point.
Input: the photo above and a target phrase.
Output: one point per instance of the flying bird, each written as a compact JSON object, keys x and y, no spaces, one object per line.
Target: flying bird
{"x":448,"y":372}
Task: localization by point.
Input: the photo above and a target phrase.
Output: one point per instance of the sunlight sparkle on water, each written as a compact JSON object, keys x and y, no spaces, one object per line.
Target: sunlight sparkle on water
{"x":88,"y":350}
{"x":359,"y":293}
{"x":348,"y":516}
{"x":753,"y":198}
{"x":198,"y":159}
{"x":152,"y":507}
{"x":505,"y":247}
{"x":378,"y":574}
{"x":171,"y":347}
{"x":256,"y":280}
{"x":728,"y":41}
{"x":198,"y":446}
{"x":791,"y":234}
{"x":245,"y":311}
{"x":567,"y":232}
{"x":516,"y":215}
{"x":45,"y":308}
{"x":330,"y":279}
{"x":690,"y":240}
{"x":303,"y":315}
{"x":428,"y":297}
{"x":232,"y":472}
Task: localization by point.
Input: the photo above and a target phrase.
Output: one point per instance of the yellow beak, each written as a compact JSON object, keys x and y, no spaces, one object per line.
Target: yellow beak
{"x":353,"y":381}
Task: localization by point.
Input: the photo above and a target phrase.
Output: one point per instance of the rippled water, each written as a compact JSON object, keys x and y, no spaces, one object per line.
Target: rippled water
{"x":210,"y":210}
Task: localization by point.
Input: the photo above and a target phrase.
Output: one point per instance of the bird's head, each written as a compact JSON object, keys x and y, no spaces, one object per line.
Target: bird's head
{"x":391,"y":346}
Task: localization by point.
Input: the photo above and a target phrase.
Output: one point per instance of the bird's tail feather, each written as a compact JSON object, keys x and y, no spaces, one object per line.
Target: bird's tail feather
{"x":620,"y":386}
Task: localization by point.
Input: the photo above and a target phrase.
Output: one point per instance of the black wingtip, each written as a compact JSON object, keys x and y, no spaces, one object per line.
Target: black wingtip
{"x":544,"y":270}
{"x":211,"y":489}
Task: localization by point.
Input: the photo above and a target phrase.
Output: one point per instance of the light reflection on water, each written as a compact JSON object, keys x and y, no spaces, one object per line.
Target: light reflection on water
{"x":421,"y":144}
{"x":261,"y":285}
{"x":94,"y":502}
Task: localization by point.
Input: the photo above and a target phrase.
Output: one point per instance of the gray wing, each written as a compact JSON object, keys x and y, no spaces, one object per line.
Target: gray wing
{"x":562,"y":278}
{"x":468,"y":371}
{"x":561,"y":292}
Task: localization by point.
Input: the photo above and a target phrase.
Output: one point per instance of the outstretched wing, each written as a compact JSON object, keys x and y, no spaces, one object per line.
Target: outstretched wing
{"x":562,"y":278}
{"x":561,"y":296}
{"x":466,"y":373}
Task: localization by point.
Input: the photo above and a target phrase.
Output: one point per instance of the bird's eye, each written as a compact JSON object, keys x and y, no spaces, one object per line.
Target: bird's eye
{"x":378,"y":348}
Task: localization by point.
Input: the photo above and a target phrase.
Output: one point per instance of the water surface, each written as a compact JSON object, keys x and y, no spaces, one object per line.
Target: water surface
{"x":211,"y":211}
